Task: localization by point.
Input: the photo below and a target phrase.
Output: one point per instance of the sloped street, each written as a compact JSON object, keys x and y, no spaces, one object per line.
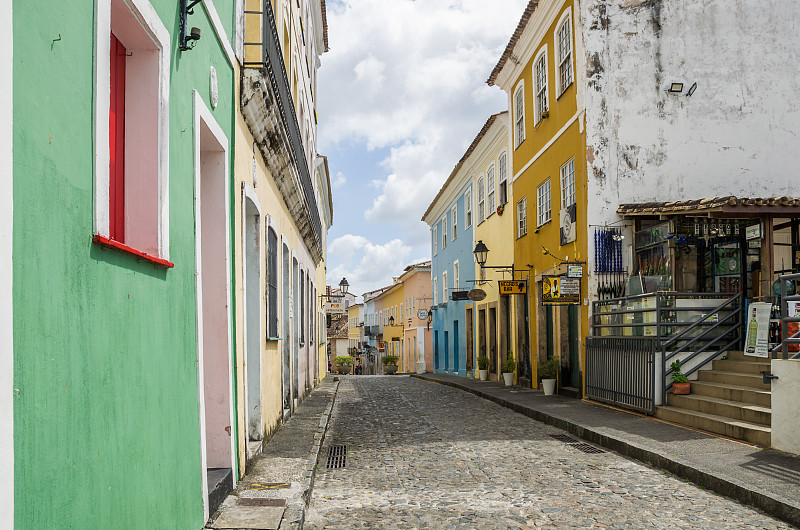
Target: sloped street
{"x":424,"y":455}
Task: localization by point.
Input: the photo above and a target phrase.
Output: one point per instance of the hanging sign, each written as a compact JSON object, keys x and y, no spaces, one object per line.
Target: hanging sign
{"x":574,"y":271}
{"x":512,"y":287}
{"x":753,"y":232}
{"x":422,"y":314}
{"x":757,"y":339}
{"x":459,"y":295}
{"x":561,"y":290}
{"x":335,"y":308}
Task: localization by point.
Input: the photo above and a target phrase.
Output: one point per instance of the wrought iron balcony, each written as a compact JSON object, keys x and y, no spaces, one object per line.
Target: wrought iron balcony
{"x":269,"y":110}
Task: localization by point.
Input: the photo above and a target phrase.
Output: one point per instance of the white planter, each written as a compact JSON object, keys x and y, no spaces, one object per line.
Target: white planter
{"x":484,"y":375}
{"x":421,"y":367}
{"x":549,"y":386}
{"x":508,"y":378}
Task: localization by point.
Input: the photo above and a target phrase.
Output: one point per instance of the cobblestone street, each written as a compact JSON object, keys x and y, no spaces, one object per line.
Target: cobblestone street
{"x":424,"y":455}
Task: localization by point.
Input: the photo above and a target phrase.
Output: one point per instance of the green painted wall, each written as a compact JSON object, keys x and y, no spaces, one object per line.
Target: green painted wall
{"x":106,"y":425}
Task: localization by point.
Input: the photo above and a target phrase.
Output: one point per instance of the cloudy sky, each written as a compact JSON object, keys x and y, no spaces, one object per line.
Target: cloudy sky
{"x":402,"y":93}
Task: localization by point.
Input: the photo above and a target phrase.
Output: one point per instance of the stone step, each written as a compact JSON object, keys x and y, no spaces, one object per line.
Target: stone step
{"x":732,"y":378}
{"x":744,"y":394}
{"x":738,"y":429}
{"x":741,"y":367}
{"x":735,"y":410}
{"x":738,"y":355}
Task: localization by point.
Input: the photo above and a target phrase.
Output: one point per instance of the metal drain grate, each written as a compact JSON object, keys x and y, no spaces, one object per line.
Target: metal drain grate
{"x":337,"y":456}
{"x":587,"y":448}
{"x":577,"y":444}
{"x":564,"y":438}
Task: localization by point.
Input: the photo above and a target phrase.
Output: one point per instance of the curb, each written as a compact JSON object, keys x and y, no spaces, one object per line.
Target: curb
{"x":295,"y":515}
{"x":778,"y":508}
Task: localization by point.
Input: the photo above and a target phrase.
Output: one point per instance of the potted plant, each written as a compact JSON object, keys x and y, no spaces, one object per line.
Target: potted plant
{"x":680,"y":383}
{"x":343,"y":363}
{"x":483,"y":367}
{"x":547,"y":374}
{"x":508,"y":369}
{"x":390,"y":364}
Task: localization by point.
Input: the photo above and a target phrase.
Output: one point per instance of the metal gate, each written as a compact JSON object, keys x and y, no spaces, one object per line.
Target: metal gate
{"x":621,"y":371}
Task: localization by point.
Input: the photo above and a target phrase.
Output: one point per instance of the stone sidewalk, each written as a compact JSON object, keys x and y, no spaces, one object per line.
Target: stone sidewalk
{"x":764,"y":478}
{"x":275,"y":491}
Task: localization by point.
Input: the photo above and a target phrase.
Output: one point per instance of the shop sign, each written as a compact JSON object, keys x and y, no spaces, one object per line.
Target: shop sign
{"x":561,"y":290}
{"x":574,"y":271}
{"x":422,"y":314}
{"x":512,"y":287}
{"x":753,"y":232}
{"x":757,"y":339}
{"x":335,"y":308}
{"x":459,"y":295}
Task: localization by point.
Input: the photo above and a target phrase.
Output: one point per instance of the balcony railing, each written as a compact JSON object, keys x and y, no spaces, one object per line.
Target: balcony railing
{"x":272,"y":60}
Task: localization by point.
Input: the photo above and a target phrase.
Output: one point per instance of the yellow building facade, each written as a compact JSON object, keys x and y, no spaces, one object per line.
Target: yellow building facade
{"x":392,"y":303}
{"x":548,"y":176}
{"x":491,"y":320}
{"x":282,"y":211}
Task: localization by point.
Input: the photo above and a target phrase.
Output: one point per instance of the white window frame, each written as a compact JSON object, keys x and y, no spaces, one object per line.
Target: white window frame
{"x":502,"y":177}
{"x":454,"y":219}
{"x":467,"y":209}
{"x":522,"y":217}
{"x":540,"y":86}
{"x":481,"y":200}
{"x":435,"y":241}
{"x":491,"y":189}
{"x":567,"y":172}
{"x":564,"y":61}
{"x":143,"y":12}
{"x":444,"y":232}
{"x":444,"y":286}
{"x":456,"y":275}
{"x":518,"y":102}
{"x":543,"y":203}
{"x":435,"y":291}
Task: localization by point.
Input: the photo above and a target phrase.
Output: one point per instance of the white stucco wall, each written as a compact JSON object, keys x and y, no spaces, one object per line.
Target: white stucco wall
{"x":735,"y":136}
{"x":785,"y":414}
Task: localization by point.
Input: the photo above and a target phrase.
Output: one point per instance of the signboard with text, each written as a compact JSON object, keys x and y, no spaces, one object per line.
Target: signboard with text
{"x":513,"y":287}
{"x":560,"y":289}
{"x":335,"y":308}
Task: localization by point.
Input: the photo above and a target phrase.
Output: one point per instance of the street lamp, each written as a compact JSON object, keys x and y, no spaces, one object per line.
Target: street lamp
{"x":344,"y":286}
{"x":481,"y":251}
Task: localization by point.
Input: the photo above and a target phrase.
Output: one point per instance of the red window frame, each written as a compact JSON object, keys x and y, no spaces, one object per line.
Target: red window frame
{"x":116,"y":140}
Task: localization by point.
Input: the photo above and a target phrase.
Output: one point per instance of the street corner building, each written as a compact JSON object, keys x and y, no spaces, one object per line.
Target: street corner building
{"x":637,"y":208}
{"x":141,"y":294}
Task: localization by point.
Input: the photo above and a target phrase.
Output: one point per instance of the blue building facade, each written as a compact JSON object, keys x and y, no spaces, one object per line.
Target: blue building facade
{"x":451,"y":220}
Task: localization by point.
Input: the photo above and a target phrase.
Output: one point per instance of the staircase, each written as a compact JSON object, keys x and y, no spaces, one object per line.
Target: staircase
{"x":730,"y":399}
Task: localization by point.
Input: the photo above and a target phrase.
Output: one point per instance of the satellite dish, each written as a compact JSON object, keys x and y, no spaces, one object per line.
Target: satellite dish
{"x":476,"y":295}
{"x":790,"y":288}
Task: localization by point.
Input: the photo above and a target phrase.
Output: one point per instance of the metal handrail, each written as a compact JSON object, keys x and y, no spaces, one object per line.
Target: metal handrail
{"x":785,"y":319}
{"x":735,"y":313}
{"x":698,"y":322}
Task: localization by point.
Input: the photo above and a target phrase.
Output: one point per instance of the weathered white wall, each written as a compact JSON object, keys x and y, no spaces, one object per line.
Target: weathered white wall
{"x":737,"y":135}
{"x":785,"y":414}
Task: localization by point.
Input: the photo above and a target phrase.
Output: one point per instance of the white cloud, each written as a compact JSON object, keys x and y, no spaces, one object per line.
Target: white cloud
{"x":366,"y":265}
{"x":410,"y":76}
{"x":339,"y":180}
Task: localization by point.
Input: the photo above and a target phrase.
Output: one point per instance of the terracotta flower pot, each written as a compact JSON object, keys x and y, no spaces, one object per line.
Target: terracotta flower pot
{"x":681,"y":389}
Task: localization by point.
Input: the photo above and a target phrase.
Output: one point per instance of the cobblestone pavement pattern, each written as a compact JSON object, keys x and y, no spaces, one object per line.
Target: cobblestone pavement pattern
{"x":424,"y":455}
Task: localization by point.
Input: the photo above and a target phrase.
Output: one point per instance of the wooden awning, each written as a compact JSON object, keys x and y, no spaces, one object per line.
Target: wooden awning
{"x":726,"y":207}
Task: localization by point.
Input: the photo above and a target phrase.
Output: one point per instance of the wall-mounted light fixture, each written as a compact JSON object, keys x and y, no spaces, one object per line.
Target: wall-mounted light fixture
{"x":691,"y":89}
{"x":188,"y":38}
{"x":343,"y":287}
{"x":675,"y":88}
